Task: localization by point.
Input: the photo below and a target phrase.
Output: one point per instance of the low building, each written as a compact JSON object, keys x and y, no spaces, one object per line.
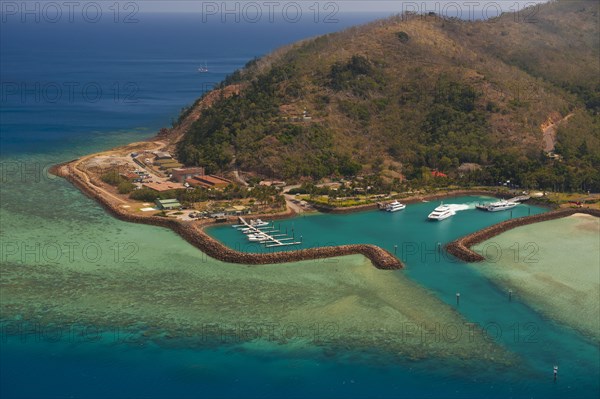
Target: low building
{"x":208,"y":181}
{"x":237,"y":210}
{"x":168,"y":166}
{"x":164,"y":186}
{"x":158,"y":155}
{"x":180,"y":175}
{"x":167,"y":204}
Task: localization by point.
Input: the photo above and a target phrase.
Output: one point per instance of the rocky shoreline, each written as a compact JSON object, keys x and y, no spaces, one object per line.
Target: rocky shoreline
{"x":461,"y":248}
{"x":193,"y":232}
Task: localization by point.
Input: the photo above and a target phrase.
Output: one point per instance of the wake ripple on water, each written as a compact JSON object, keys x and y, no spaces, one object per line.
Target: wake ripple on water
{"x":461,"y":207}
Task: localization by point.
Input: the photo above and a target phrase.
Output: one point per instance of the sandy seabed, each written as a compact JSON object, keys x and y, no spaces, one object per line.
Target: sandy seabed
{"x":554,"y":266}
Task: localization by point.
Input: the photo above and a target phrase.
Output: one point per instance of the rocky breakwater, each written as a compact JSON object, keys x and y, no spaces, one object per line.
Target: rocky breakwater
{"x":461,"y":248}
{"x":380,"y":258}
{"x":193,"y":232}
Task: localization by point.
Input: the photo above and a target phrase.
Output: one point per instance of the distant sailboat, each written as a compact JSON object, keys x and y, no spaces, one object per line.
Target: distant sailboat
{"x":203,"y":69}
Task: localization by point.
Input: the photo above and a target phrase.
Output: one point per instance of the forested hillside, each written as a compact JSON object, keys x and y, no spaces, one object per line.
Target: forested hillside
{"x":404,"y":96}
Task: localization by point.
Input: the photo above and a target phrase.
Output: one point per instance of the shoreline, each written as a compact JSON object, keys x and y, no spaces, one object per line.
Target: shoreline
{"x":461,"y":248}
{"x":194,"y":231}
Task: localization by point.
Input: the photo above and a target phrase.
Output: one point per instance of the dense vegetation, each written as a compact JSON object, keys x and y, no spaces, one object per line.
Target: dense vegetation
{"x":261,"y":194}
{"x":113,"y":178}
{"x":400,"y":98}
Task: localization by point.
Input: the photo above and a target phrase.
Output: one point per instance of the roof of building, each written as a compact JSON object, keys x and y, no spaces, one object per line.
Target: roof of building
{"x":164,"y":186}
{"x":207,"y":181}
{"x":212,"y":179}
{"x":194,"y":183}
{"x":436,"y":173}
{"x":167,"y":201}
{"x":198,"y":170}
{"x":130,"y":175}
{"x":162,"y":154}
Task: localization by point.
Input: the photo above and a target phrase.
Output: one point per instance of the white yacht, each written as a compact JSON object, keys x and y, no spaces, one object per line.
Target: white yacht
{"x":502,"y":205}
{"x":394,"y":206}
{"x":441,"y":212}
{"x":258,"y":223}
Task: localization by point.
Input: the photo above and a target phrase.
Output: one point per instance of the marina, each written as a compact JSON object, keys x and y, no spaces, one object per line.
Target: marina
{"x":262,"y":232}
{"x":401,"y":230}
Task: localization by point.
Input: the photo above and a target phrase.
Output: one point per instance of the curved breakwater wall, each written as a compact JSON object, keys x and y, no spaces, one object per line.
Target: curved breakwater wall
{"x":461,"y":248}
{"x":194,"y":234}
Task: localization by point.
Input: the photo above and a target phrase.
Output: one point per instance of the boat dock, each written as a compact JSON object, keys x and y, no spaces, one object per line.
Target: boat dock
{"x":268,"y":231}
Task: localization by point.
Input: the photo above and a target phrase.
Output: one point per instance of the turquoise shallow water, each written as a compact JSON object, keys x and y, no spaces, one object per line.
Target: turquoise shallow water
{"x":540,"y":341}
{"x":414,"y":236}
{"x":39,"y":209}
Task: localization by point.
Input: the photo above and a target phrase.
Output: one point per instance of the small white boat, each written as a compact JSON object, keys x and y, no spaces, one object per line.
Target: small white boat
{"x":441,"y":212}
{"x":257,"y":237}
{"x":394,"y":207}
{"x":203,"y":69}
{"x":502,"y":205}
{"x":258,"y":223}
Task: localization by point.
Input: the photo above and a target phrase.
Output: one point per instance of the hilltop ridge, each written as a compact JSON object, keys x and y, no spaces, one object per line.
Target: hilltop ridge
{"x":403,"y":96}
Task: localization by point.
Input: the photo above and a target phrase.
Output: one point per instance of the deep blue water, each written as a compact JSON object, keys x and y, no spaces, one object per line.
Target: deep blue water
{"x":73,"y":82}
{"x":70,"y":89}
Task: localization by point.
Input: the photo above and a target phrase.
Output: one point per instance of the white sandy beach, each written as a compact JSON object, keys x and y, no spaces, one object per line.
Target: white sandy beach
{"x":556,"y":269}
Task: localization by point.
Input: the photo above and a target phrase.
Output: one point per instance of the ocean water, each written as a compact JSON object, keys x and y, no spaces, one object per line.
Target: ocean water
{"x":71,"y":89}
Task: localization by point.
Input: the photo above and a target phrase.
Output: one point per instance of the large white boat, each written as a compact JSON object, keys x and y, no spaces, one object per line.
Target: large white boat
{"x":502,"y":205}
{"x":394,"y":207}
{"x":441,"y":212}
